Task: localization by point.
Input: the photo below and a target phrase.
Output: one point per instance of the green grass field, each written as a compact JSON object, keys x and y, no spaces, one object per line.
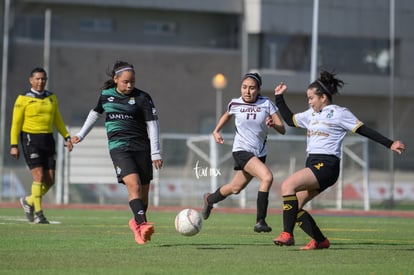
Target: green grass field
{"x":100,"y":242}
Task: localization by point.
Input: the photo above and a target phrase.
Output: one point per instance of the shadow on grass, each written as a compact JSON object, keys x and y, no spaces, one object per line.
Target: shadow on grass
{"x":334,"y":246}
{"x":372,"y":245}
{"x":209,"y":246}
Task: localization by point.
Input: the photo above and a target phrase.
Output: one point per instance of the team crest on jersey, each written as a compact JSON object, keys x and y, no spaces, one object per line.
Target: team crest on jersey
{"x":118,"y":170}
{"x":318,"y":166}
{"x":330,"y":114}
{"x":131,"y":101}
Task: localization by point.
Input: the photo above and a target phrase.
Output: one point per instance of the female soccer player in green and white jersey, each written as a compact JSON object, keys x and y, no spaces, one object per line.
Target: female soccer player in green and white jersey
{"x":327,"y":125}
{"x":133,"y":139}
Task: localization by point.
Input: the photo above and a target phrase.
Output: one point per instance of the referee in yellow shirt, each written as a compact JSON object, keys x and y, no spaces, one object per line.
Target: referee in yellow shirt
{"x":35,"y":113}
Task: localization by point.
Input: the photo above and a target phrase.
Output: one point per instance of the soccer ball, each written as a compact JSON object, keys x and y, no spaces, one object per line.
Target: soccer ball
{"x":188,"y":222}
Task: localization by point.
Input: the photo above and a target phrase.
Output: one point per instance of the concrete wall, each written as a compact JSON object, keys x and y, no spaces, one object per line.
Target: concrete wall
{"x":178,"y":80}
{"x":179,"y":77}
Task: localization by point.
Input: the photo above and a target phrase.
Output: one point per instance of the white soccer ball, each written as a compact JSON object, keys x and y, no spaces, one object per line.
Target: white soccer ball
{"x":188,"y":222}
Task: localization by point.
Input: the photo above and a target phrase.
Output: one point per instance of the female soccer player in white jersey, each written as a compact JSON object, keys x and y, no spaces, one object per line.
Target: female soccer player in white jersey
{"x":254,"y":115}
{"x":327,"y":125}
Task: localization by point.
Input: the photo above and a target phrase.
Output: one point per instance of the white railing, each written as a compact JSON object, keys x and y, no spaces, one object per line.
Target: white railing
{"x":195,"y":164}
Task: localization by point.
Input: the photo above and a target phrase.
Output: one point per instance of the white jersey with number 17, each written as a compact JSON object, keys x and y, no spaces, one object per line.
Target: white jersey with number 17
{"x":250,"y":122}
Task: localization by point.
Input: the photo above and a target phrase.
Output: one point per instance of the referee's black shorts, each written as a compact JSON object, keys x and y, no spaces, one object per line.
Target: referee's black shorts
{"x":132,"y":162}
{"x":325,"y":168}
{"x":39,"y":150}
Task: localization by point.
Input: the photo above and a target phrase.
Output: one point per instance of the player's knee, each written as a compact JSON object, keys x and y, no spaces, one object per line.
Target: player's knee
{"x":267,"y":181}
{"x":286,"y":189}
{"x":236,"y":190}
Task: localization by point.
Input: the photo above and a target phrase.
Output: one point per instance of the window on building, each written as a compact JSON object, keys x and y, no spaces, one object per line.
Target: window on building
{"x":160,"y":28}
{"x":32,"y":27}
{"x":286,"y":52}
{"x":96,"y":25}
{"x":349,"y":54}
{"x":355,"y":55}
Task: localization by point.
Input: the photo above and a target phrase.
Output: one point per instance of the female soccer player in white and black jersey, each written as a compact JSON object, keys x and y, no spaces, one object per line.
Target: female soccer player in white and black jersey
{"x":132,"y":127}
{"x":327,"y":125}
{"x":254,"y":115}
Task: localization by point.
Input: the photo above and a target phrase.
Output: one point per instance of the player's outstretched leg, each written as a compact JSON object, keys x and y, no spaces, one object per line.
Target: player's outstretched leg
{"x":309,"y":226}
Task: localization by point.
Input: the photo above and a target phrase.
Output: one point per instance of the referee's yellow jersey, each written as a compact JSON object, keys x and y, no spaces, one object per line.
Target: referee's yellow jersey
{"x":36,"y":114}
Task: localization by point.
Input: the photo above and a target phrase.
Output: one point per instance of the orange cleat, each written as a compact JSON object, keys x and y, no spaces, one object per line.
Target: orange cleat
{"x":142,"y":232}
{"x":285,"y":238}
{"x":315,"y":245}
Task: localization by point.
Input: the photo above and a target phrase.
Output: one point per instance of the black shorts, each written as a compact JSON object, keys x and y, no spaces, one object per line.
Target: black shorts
{"x":39,"y":150}
{"x":325,"y":168}
{"x":132,"y":162}
{"x":242,"y":157}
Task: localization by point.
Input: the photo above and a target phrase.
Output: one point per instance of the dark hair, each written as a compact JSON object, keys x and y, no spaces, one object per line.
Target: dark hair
{"x":38,"y":70}
{"x":255,"y":76}
{"x":118,"y":67}
{"x":327,"y":84}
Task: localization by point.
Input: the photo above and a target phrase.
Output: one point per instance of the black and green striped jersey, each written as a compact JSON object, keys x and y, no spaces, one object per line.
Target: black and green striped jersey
{"x":126,"y":117}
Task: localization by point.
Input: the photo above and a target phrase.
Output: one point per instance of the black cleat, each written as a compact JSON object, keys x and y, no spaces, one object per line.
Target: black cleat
{"x":207,"y":207}
{"x":262,"y":226}
{"x":28,"y":209}
{"x":40,"y":218}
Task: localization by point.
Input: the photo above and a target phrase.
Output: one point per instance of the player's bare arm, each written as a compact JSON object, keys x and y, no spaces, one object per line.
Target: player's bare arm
{"x":222,"y":121}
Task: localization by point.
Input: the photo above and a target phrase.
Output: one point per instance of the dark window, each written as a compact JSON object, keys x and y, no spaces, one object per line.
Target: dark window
{"x":350,"y":54}
{"x":96,"y":25}
{"x":32,"y":27}
{"x":160,"y":28}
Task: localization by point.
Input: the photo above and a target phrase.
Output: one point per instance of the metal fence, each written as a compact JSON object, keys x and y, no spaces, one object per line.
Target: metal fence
{"x":195,"y":164}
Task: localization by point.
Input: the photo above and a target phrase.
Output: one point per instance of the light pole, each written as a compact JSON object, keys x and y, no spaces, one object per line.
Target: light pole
{"x":391,"y":101}
{"x":5,"y":61}
{"x":219,"y":82}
